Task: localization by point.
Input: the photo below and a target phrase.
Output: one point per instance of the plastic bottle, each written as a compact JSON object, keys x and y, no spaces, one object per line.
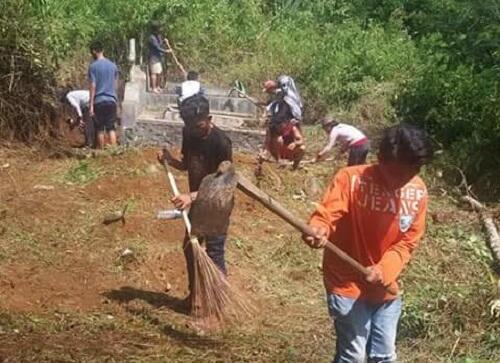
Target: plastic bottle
{"x":169,"y":214}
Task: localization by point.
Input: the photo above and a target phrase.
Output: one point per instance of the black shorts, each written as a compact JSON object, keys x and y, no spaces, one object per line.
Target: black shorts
{"x":105,"y":116}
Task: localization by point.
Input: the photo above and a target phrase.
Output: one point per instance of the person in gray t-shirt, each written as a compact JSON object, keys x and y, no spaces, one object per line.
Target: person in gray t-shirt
{"x":102,"y":76}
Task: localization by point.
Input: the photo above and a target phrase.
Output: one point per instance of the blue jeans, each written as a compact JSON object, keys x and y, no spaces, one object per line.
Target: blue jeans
{"x":215,"y":247}
{"x":364,"y":329}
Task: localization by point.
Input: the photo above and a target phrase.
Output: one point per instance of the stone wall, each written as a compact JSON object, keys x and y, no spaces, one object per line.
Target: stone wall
{"x":169,"y":133}
{"x":217,"y":103}
{"x":144,"y":122}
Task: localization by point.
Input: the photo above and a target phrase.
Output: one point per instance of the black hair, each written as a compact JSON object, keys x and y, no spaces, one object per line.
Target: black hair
{"x":192,"y":76}
{"x":155,"y":26}
{"x":96,"y":46}
{"x":406,"y":144}
{"x":194,"y":109}
{"x":328,"y":121}
{"x":274,"y":129}
{"x":283,"y":112}
{"x":62,"y":95}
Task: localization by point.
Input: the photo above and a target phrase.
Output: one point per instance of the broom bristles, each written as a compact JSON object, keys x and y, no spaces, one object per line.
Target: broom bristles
{"x":213,"y":297}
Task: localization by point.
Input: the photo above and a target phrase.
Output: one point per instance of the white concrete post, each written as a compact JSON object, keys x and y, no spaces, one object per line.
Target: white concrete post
{"x":131,"y":51}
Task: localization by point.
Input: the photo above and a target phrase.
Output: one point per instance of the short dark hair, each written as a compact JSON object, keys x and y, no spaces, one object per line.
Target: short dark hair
{"x":194,"y":109}
{"x":155,"y":26}
{"x":275,"y":129}
{"x":96,"y":46}
{"x":192,"y":76}
{"x":282,"y":114}
{"x":61,"y":94}
{"x":406,"y":144}
{"x":328,"y":121}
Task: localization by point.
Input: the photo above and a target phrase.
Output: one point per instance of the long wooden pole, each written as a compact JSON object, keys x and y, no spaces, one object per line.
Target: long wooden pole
{"x":181,"y":67}
{"x":252,"y":191}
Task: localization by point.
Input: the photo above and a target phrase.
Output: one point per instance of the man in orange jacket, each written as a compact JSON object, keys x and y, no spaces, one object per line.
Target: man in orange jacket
{"x":376,"y":214}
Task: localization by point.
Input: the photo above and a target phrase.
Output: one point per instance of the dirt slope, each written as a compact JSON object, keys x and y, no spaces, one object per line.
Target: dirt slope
{"x":66,"y":295}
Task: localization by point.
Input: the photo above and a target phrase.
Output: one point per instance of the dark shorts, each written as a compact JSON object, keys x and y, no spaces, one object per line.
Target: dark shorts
{"x":105,"y":116}
{"x":358,"y":153}
{"x":90,"y":139}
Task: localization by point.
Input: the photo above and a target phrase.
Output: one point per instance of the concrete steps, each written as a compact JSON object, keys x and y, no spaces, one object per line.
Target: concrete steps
{"x":217,"y":103}
{"x":153,"y":119}
{"x":220,"y":118}
{"x":153,"y":131}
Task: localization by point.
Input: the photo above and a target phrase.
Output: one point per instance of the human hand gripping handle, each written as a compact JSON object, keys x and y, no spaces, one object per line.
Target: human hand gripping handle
{"x":314,"y":237}
{"x":317,"y":239}
{"x":175,"y":190}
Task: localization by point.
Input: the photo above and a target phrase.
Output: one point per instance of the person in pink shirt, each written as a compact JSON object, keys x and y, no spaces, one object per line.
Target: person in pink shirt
{"x":348,"y":137}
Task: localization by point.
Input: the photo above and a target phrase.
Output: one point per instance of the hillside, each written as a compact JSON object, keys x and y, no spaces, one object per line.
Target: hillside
{"x":67,"y":295}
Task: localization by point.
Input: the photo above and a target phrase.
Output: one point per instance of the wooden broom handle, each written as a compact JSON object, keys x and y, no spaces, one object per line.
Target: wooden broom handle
{"x":252,"y":191}
{"x":181,"y":67}
{"x":175,"y":191}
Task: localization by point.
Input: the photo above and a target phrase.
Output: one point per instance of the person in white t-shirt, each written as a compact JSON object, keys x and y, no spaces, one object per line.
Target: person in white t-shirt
{"x":190,"y":87}
{"x":79,"y":101}
{"x":348,"y":137}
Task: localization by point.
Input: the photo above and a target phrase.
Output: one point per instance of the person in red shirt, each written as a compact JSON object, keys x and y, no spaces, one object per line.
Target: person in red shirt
{"x":284,"y":139}
{"x":376,"y":214}
{"x":286,"y":142}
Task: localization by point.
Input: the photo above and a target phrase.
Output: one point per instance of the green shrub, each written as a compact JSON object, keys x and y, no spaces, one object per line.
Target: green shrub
{"x":459,"y":106}
{"x":436,"y":61}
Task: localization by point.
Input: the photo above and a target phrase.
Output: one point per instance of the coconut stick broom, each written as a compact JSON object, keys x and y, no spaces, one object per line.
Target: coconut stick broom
{"x":213,"y":298}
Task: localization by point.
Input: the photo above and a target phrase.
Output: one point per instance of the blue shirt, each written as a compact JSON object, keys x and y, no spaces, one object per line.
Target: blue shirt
{"x":103,"y":73}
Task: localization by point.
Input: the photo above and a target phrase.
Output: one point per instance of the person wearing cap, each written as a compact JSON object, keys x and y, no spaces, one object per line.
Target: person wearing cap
{"x":349,"y":138}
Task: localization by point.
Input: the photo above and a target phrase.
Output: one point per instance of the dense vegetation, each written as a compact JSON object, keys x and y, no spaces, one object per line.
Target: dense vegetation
{"x":431,"y":62}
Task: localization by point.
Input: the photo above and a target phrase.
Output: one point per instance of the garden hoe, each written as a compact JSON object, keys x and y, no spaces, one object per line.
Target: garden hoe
{"x":252,"y":191}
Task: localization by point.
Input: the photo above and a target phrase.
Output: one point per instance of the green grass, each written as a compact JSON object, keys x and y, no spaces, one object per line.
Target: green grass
{"x":82,"y":173}
{"x":448,"y":287}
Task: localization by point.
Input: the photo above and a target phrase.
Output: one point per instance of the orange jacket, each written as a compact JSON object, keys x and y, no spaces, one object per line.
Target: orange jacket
{"x":372,"y":224}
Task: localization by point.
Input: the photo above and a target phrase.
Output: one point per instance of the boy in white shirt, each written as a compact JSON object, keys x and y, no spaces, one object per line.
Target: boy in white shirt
{"x":79,"y":101}
{"x":349,"y":138}
{"x":190,"y":87}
